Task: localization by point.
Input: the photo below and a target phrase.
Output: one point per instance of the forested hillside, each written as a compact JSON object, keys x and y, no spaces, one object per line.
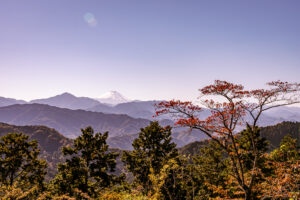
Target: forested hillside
{"x":276,"y":133}
{"x":273,"y":134}
{"x":49,"y":139}
{"x":50,"y":143}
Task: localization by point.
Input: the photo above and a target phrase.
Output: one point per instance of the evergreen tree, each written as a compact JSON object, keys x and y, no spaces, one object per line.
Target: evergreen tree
{"x":151,"y":150}
{"x":209,"y":172}
{"x":288,"y":150}
{"x":246,"y":144}
{"x":19,"y":162}
{"x":89,"y":166}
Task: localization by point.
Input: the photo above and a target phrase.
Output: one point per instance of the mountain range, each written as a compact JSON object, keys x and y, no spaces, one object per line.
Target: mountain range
{"x":112,"y":102}
{"x":69,"y":122}
{"x":138,"y":109}
{"x":9,"y":101}
{"x":68,"y":114}
{"x":122,"y":128}
{"x":67,"y":100}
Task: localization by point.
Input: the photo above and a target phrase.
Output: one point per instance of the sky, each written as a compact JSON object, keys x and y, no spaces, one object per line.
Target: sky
{"x":145,"y":49}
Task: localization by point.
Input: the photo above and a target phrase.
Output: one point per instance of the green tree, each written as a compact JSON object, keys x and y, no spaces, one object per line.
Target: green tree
{"x":89,"y":167}
{"x":246,"y":146}
{"x":151,"y":150}
{"x":287,"y":150}
{"x":210,"y":172}
{"x":285,"y":162}
{"x":19,"y":162}
{"x":170,"y":183}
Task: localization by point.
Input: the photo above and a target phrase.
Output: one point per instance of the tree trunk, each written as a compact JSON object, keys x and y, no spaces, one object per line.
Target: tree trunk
{"x":11,"y":181}
{"x":248,"y":194}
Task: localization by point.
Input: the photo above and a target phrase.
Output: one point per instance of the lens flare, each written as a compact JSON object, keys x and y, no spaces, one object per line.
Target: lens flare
{"x":90,"y":19}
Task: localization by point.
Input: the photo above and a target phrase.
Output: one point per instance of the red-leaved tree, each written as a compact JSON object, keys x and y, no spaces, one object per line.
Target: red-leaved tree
{"x":233,"y":109}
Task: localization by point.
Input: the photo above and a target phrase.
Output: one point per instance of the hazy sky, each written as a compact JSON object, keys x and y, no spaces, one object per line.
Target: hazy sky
{"x":145,"y":49}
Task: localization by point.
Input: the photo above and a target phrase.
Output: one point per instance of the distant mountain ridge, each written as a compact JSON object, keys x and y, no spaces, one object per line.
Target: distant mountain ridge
{"x":141,"y":109}
{"x":9,"y":101}
{"x":122,"y":131}
{"x":122,"y":128}
{"x":67,"y":100}
{"x":113,"y":103}
{"x":136,"y":109}
{"x":69,"y":122}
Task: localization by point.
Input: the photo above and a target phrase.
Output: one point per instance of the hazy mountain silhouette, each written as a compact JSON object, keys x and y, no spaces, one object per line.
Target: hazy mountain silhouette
{"x":67,"y":100}
{"x":69,"y":122}
{"x":284,"y":113}
{"x":122,"y":128}
{"x":137,"y":109}
{"x":9,"y":101}
{"x":142,"y":109}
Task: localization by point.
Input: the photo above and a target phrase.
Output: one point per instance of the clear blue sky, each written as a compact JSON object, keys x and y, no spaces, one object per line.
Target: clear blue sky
{"x":145,"y":49}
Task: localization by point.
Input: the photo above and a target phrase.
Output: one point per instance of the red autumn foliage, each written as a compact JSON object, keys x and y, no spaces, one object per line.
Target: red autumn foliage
{"x":225,"y":116}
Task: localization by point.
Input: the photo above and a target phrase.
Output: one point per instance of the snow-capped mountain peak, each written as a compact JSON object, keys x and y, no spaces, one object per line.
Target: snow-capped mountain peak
{"x":112,"y":97}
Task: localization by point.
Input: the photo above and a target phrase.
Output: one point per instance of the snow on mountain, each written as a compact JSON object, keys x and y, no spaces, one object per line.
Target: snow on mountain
{"x":113,"y":97}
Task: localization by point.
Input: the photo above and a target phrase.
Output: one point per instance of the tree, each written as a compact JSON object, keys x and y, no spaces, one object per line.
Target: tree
{"x":234,"y":107}
{"x":170,"y":182}
{"x":19,"y":162}
{"x":287,"y":150}
{"x":210,"y":172}
{"x":151,"y":150}
{"x":284,"y":182}
{"x":89,"y":166}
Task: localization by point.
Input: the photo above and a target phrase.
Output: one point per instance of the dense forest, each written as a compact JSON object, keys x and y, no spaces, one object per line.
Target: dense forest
{"x":154,"y":169}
